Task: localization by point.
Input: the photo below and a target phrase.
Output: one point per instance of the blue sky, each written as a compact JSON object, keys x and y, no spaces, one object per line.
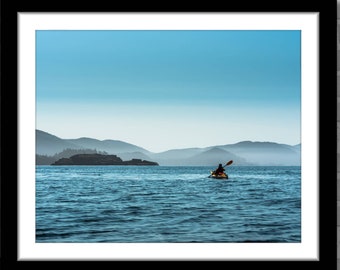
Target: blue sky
{"x":169,"y":89}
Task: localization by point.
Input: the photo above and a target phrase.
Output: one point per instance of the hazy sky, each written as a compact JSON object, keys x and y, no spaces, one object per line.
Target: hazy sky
{"x":169,"y":89}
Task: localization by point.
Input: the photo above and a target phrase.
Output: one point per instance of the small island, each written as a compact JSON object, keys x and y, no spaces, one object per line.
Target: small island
{"x":99,"y":159}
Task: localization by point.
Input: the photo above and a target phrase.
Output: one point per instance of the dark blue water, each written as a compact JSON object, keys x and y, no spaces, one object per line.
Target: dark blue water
{"x":121,"y":204}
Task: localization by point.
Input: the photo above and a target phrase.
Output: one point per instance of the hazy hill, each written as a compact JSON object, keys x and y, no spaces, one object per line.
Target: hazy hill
{"x":176,"y":156}
{"x":197,"y":157}
{"x":297,"y":147}
{"x":48,"y":144}
{"x":110,"y":146}
{"x":243,"y":153}
{"x":213,"y":157}
{"x":266,"y":153}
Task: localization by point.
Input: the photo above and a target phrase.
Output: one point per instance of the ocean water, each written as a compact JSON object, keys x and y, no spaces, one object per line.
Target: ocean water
{"x":167,"y":204}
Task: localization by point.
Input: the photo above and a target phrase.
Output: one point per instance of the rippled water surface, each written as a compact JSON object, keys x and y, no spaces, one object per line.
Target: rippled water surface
{"x":121,"y":204}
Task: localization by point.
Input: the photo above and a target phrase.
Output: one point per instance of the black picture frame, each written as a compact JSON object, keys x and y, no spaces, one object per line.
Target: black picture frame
{"x":10,"y":131}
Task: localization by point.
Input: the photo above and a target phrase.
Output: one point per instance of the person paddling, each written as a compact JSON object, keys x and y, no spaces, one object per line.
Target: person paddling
{"x":219,"y":170}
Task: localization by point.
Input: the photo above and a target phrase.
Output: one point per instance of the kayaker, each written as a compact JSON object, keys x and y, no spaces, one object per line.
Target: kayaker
{"x":219,"y":170}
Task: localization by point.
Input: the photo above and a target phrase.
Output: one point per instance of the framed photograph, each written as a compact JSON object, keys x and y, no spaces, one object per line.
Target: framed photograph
{"x":124,"y":117}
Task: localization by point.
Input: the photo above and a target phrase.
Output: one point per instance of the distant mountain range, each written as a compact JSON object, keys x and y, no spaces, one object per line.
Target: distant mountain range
{"x":242,"y":153}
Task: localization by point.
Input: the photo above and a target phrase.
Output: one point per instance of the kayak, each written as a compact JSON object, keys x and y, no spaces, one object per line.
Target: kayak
{"x":218,"y":176}
{"x":222,"y":175}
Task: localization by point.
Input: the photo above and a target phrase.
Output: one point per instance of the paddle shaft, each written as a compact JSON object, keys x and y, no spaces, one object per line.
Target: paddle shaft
{"x":228,"y":163}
